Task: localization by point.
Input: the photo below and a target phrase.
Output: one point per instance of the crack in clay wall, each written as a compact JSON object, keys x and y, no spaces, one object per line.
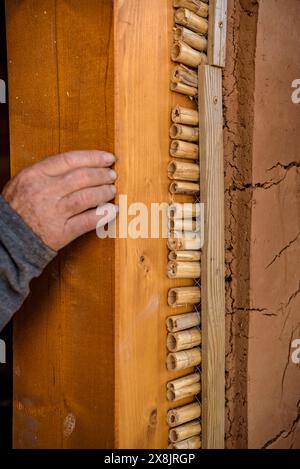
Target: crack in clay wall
{"x":262,"y":151}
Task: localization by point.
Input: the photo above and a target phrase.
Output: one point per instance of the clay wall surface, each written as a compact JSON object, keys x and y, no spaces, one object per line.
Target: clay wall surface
{"x":262,"y":159}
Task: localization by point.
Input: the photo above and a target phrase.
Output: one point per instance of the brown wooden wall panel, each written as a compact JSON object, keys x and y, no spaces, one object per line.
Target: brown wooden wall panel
{"x":90,"y":343}
{"x":61,"y":98}
{"x":4,"y":131}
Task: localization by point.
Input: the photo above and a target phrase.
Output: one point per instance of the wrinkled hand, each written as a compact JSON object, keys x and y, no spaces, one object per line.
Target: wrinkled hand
{"x":57,"y":197}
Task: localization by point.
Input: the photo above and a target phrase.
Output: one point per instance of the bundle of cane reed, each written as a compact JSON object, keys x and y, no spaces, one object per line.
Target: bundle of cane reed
{"x":184,"y":333}
{"x":190,"y":44}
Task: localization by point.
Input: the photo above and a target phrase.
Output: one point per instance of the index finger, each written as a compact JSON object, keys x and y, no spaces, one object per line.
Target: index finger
{"x":65,"y":162}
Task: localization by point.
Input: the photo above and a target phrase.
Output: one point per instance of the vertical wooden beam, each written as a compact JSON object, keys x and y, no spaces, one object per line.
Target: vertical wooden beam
{"x":217,"y":32}
{"x":61,"y":85}
{"x":212,"y":260}
{"x":143,"y":39}
{"x":142,"y":116}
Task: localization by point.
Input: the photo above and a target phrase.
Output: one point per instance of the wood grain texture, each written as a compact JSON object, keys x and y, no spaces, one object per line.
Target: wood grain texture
{"x":62,"y":98}
{"x":4,"y":130}
{"x":90,"y":343}
{"x":212,"y":258}
{"x":217,"y":31}
{"x":143,"y":39}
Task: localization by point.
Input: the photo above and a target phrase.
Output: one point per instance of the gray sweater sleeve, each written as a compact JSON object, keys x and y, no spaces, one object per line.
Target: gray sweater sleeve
{"x":23,"y":256}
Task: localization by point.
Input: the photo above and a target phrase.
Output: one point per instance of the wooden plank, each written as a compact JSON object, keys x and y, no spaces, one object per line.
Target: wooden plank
{"x":143,"y":39}
{"x":90,"y":343}
{"x":212,"y":259}
{"x":217,"y":31}
{"x":4,"y":131}
{"x":62,"y":98}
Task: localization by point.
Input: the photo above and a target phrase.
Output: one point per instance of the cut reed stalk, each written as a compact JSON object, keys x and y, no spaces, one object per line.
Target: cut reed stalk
{"x":184,"y":225}
{"x":185,"y":75}
{"x":181,"y":322}
{"x":182,"y":296}
{"x":183,"y":414}
{"x":184,"y":340}
{"x":192,"y":39}
{"x":183,"y":89}
{"x":190,"y":443}
{"x":185,"y":381}
{"x":186,"y":150}
{"x":188,"y":188}
{"x":187,"y":18}
{"x":196,"y":6}
{"x":188,"y":242}
{"x":184,"y":132}
{"x":186,"y":116}
{"x":185,"y":256}
{"x":177,"y":361}
{"x":182,"y":393}
{"x":184,"y":269}
{"x":187,"y":210}
{"x":183,"y":171}
{"x":184,"y":54}
{"x":183,"y":432}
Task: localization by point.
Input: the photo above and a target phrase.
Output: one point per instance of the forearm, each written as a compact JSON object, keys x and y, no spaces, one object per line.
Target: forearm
{"x":50,"y":204}
{"x":23,"y":256}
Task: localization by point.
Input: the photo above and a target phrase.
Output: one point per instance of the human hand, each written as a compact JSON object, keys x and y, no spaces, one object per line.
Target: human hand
{"x":58,"y":196}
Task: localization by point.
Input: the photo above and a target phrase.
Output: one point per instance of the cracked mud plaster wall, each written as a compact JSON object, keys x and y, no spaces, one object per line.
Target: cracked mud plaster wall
{"x":262,"y":161}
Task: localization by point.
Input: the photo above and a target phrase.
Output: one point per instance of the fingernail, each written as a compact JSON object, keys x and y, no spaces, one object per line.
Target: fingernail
{"x":112,"y":174}
{"x":114,"y":189}
{"x":109,"y":158}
